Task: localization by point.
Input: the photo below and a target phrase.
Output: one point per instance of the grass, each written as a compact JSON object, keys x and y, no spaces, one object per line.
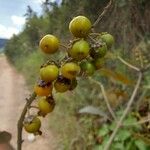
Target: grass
{"x":29,"y":67}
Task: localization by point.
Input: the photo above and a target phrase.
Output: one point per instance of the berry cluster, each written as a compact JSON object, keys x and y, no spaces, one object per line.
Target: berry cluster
{"x":84,"y":55}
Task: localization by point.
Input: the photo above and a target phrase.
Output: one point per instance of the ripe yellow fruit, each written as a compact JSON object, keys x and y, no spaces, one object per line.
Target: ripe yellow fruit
{"x":49,"y":73}
{"x":70,"y":70}
{"x":49,"y":44}
{"x":45,"y":106}
{"x":43,"y":91}
{"x":33,"y":126}
{"x":80,"y":26}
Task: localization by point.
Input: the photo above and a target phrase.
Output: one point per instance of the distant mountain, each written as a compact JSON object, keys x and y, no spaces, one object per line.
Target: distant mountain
{"x":2,"y":42}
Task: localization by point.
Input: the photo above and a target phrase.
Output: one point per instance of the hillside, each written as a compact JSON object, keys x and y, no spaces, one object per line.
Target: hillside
{"x":2,"y":42}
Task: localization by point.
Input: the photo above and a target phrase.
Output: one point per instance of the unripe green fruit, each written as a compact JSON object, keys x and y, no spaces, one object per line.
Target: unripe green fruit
{"x":87,"y":67}
{"x":108,"y":39}
{"x":99,"y":52}
{"x":80,"y":50}
{"x":99,"y":63}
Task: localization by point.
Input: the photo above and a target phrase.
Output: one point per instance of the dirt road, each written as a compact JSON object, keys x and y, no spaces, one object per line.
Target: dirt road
{"x":12,"y":99}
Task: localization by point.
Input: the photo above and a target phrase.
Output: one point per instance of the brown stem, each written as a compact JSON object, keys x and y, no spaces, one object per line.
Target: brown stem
{"x":144,"y":69}
{"x":21,"y":119}
{"x":103,"y":13}
{"x":128,"y":64}
{"x":107,"y":102}
{"x":119,"y":123}
{"x":105,"y":98}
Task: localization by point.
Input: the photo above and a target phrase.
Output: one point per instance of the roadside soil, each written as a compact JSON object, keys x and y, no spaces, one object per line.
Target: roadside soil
{"x":13,"y":92}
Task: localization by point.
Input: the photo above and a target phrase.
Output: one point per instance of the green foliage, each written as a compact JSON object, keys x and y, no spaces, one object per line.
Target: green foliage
{"x":32,"y":63}
{"x":31,"y":66}
{"x":34,"y":29}
{"x":2,"y":42}
{"x":125,"y":139}
{"x":55,"y":19}
{"x":15,"y":48}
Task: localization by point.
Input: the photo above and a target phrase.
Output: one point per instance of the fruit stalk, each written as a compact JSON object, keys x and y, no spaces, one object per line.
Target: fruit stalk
{"x":21,"y":119}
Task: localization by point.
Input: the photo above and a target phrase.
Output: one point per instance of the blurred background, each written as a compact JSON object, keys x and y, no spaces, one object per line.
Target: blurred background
{"x":24,"y":23}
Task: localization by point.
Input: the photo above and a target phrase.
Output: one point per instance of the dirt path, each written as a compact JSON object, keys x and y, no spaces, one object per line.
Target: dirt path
{"x":12,"y":98}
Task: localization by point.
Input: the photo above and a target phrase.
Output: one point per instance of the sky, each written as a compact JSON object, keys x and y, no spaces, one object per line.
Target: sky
{"x":12,"y":15}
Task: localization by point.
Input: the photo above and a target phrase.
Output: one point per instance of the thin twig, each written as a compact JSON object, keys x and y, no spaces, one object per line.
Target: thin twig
{"x":128,"y":64}
{"x":139,"y":122}
{"x":20,"y":121}
{"x":34,"y":107}
{"x":94,"y":34}
{"x":119,"y":123}
{"x":141,"y":59}
{"x":64,"y":46}
{"x":105,"y":98}
{"x":146,"y":68}
{"x":141,"y":98}
{"x":107,"y":101}
{"x":103,"y":13}
{"x":93,"y":40}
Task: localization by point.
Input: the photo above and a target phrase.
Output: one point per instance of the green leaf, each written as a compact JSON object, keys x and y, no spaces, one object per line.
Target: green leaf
{"x":103,"y":144}
{"x":112,"y":126}
{"x":104,"y":130}
{"x":140,"y":145}
{"x":122,"y":135}
{"x":98,"y":147}
{"x":106,"y":138}
{"x":119,"y":113}
{"x":130,"y":145}
{"x":117,"y":146}
{"x":132,"y":120}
